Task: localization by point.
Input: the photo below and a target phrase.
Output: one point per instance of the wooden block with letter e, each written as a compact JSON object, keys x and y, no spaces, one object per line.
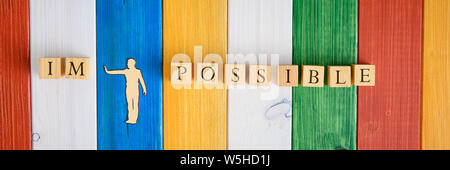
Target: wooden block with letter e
{"x":339,"y":76}
{"x":363,"y":75}
{"x":235,"y":74}
{"x":77,"y":68}
{"x":312,"y":76}
{"x":181,"y":73}
{"x":51,"y":68}
{"x":288,"y":75}
{"x":207,"y":73}
{"x":259,"y":75}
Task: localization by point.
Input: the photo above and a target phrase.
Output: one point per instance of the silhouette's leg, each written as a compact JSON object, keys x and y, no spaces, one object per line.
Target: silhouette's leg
{"x":135,"y":112}
{"x":130,"y":108}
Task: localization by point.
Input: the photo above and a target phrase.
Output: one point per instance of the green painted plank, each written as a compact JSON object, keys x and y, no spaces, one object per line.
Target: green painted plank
{"x":325,"y":32}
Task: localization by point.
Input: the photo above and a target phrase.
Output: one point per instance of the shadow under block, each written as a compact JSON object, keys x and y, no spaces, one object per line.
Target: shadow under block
{"x":259,"y":75}
{"x":77,"y":68}
{"x":436,"y":73}
{"x":207,"y":73}
{"x":288,"y":75}
{"x":199,"y":120}
{"x":339,"y":76}
{"x":363,"y":75}
{"x":312,"y":76}
{"x":51,"y":68}
{"x":235,"y":74}
{"x":181,"y":73}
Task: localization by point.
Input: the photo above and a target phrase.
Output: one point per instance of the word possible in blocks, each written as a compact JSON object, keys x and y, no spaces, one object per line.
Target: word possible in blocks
{"x":70,"y":68}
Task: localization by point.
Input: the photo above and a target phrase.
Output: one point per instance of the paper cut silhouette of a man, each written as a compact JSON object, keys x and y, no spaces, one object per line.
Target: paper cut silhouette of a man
{"x":133,"y":77}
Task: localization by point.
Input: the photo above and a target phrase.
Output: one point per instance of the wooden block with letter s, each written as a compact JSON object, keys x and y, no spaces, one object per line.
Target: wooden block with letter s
{"x":259,"y":75}
{"x":77,"y":68}
{"x":235,"y":74}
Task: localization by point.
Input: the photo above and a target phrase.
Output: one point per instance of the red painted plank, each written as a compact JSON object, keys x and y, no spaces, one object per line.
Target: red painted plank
{"x":390,"y":37}
{"x":15,"y":110}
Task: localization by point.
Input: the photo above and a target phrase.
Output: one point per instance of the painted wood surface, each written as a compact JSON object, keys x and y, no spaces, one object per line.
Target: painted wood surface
{"x":324,"y":33}
{"x":194,"y":118}
{"x":390,"y":37}
{"x":129,"y":30}
{"x":15,"y":109}
{"x":64,"y":111}
{"x":436,"y":75}
{"x":260,"y":118}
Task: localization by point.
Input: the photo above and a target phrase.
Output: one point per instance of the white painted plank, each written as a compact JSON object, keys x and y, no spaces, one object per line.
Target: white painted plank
{"x":260,"y":118}
{"x":64,"y":111}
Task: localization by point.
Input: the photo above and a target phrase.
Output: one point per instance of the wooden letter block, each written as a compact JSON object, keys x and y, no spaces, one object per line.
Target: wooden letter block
{"x":312,"y":76}
{"x":339,"y":76}
{"x":51,"y":68}
{"x":181,"y":73}
{"x":288,"y":75}
{"x":235,"y":74}
{"x":259,"y":75}
{"x":363,"y":75}
{"x":77,"y":68}
{"x":207,"y":73}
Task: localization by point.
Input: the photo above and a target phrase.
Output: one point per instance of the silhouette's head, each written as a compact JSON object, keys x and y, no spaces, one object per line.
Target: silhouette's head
{"x":131,"y":63}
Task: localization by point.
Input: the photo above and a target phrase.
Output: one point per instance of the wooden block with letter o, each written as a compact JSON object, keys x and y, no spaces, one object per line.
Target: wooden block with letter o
{"x":288,"y":75}
{"x":181,"y":73}
{"x":207,"y":73}
{"x":259,"y":75}
{"x":312,"y":76}
{"x":77,"y":68}
{"x":363,"y":75}
{"x":235,"y":74}
{"x":339,"y":76}
{"x":51,"y":68}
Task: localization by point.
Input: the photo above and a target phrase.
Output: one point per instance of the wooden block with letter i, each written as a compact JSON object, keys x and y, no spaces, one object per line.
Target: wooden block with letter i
{"x":288,"y":75}
{"x":312,"y":76}
{"x":235,"y":74}
{"x":339,"y":76}
{"x":50,"y":68}
{"x":259,"y":75}
{"x":207,"y":73}
{"x":77,"y":68}
{"x":181,"y":73}
{"x":363,"y":75}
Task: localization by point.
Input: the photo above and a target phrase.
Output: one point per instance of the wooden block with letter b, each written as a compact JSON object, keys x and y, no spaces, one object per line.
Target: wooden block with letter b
{"x":363,"y":75}
{"x":77,"y":68}
{"x":259,"y":75}
{"x":235,"y":74}
{"x":51,"y":68}
{"x":339,"y":76}
{"x":181,"y":73}
{"x":312,"y":76}
{"x":288,"y":75}
{"x":207,"y":73}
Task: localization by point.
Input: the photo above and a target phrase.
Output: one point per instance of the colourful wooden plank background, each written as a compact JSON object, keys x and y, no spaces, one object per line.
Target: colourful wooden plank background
{"x":194,"y":118}
{"x":260,"y":118}
{"x":390,"y":37}
{"x":324,"y":33}
{"x":436,"y":75}
{"x":15,"y":109}
{"x":64,"y":111}
{"x":129,"y":29}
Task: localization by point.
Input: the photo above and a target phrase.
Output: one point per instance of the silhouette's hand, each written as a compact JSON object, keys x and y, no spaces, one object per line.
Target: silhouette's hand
{"x":145,"y":92}
{"x":106,"y":70}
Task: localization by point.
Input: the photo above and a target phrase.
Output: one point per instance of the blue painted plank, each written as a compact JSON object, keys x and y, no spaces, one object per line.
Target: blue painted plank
{"x":129,"y":29}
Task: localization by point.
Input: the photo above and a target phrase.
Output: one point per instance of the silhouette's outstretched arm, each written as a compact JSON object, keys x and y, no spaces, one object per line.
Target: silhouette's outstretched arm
{"x":114,"y":71}
{"x":141,"y":80}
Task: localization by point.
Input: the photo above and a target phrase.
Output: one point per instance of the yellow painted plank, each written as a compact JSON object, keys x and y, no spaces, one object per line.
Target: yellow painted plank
{"x":436,"y":75}
{"x":194,"y":118}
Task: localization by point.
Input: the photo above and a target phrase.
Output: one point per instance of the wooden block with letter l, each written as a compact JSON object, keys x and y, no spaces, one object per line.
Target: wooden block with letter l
{"x":51,"y":68}
{"x":288,"y":75}
{"x":339,"y":76}
{"x":181,"y":73}
{"x":312,"y":76}
{"x":77,"y":68}
{"x":259,"y":75}
{"x":363,"y":75}
{"x":207,"y":73}
{"x":235,"y":74}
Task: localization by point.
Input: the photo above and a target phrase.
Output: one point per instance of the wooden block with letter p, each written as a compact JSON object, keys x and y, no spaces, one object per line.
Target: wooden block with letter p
{"x":235,"y":74}
{"x":51,"y":68}
{"x":363,"y":75}
{"x":288,"y":75}
{"x":207,"y":73}
{"x":259,"y":75}
{"x":339,"y":76}
{"x":312,"y":76}
{"x":181,"y":73}
{"x":77,"y":68}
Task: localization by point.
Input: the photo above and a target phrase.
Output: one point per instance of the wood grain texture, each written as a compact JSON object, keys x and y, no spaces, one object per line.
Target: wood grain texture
{"x":324,"y":33}
{"x":194,"y":118}
{"x":436,"y":75}
{"x":129,"y":29}
{"x":390,"y":37}
{"x":64,"y":111}
{"x":260,"y":118}
{"x":15,"y":110}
